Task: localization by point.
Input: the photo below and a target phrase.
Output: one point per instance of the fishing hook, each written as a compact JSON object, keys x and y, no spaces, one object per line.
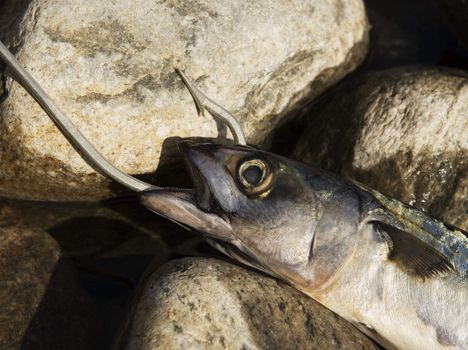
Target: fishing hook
{"x":79,"y":142}
{"x":68,"y":129}
{"x":203,"y":102}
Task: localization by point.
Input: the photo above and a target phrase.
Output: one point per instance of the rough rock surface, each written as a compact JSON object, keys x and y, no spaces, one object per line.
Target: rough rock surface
{"x":403,"y":132}
{"x":198,"y":303}
{"x":111,"y":69}
{"x":41,"y":304}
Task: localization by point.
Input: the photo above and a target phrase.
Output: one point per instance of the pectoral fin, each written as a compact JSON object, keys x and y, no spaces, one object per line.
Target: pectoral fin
{"x":413,"y":255}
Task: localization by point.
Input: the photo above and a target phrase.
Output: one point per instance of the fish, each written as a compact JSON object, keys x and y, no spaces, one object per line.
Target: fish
{"x":397,"y":274}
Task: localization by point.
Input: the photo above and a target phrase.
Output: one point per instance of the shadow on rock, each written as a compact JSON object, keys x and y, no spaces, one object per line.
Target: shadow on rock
{"x":66,"y":317}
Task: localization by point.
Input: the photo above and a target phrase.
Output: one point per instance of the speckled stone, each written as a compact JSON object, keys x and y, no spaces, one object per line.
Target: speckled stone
{"x":197,"y":303}
{"x":403,"y":132}
{"x":110,"y":67}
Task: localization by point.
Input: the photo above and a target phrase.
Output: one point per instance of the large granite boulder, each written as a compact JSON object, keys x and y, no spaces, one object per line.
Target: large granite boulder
{"x":110,"y":67}
{"x":403,"y":132}
{"x":197,"y":303}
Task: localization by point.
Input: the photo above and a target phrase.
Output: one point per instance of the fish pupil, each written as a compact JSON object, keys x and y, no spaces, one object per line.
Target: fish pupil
{"x":253,"y":175}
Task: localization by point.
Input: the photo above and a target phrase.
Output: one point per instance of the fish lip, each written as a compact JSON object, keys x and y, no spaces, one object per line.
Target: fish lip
{"x":203,"y":195}
{"x":179,"y":206}
{"x":196,"y":207}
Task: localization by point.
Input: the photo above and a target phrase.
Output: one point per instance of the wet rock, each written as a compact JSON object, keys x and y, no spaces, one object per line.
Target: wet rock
{"x":111,"y":69}
{"x":403,"y":132}
{"x":197,"y":303}
{"x":41,"y":303}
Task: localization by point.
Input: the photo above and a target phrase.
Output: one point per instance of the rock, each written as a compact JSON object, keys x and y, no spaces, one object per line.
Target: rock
{"x":109,"y":244}
{"x":407,"y":32}
{"x":41,"y":303}
{"x":111,"y":69}
{"x":456,"y":12}
{"x":403,"y":132}
{"x":197,"y":303}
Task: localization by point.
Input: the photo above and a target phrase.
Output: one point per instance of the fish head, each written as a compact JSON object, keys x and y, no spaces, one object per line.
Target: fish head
{"x":254,"y":206}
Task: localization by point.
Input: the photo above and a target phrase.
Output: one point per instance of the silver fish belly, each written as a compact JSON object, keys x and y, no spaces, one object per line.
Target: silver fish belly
{"x":404,"y":304}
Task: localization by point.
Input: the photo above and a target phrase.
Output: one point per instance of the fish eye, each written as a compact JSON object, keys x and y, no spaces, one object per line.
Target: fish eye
{"x":255,"y":176}
{"x":252,"y":174}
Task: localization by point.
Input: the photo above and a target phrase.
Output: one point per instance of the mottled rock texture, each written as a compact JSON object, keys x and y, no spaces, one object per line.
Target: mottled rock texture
{"x":41,"y":303}
{"x":110,"y":67}
{"x":403,"y":132}
{"x":199,"y":303}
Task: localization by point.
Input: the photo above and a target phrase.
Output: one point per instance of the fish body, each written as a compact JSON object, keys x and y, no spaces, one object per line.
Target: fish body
{"x":394,"y":272}
{"x":397,"y":274}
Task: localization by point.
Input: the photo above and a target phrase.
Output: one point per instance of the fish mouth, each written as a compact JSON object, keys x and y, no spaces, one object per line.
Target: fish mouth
{"x":238,"y":254}
{"x":198,"y":208}
{"x":195,"y":207}
{"x":202,"y":193}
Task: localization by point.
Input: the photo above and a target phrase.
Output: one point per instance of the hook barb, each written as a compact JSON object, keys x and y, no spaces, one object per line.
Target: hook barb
{"x":202,"y":102}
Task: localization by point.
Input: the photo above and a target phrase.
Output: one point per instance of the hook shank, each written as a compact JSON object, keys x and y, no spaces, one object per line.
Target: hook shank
{"x":68,"y":129}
